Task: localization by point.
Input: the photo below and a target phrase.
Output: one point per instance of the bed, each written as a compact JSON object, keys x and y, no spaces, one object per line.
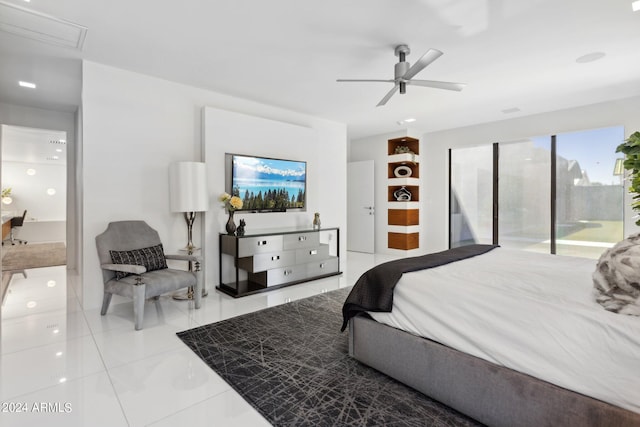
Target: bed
{"x":507,"y":337}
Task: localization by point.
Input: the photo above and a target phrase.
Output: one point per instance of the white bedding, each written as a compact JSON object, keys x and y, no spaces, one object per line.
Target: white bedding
{"x":530,"y":312}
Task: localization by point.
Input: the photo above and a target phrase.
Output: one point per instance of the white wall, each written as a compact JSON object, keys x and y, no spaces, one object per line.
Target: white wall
{"x":30,"y":191}
{"x":135,"y":125}
{"x":435,"y":146}
{"x":320,"y":146}
{"x":46,"y":214}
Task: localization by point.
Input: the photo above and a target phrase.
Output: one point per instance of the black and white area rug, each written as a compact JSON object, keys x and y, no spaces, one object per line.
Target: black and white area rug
{"x":291,"y":363}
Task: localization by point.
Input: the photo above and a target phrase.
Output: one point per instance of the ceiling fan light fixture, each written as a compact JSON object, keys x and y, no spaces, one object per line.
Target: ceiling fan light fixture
{"x":404,"y":73}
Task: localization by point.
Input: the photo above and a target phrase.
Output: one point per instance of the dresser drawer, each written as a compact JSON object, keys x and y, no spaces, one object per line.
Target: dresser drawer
{"x":317,"y":253}
{"x":320,"y":268}
{"x":278,"y":276}
{"x":262,"y":262}
{"x":259,"y":245}
{"x":301,"y":240}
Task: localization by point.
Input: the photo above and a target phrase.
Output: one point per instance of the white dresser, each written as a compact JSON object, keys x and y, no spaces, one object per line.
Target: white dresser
{"x":263,"y":260}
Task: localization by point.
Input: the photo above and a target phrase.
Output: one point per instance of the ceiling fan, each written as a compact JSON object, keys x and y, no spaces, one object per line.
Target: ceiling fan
{"x":404,"y":74}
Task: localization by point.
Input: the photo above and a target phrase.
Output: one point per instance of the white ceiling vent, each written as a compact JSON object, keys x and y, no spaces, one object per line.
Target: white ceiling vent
{"x":38,"y":26}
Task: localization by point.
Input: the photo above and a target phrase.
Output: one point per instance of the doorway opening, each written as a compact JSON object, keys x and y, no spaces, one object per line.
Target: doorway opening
{"x":34,"y":208}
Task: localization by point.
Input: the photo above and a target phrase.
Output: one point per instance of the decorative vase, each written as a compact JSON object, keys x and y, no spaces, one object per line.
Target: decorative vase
{"x":231,"y":226}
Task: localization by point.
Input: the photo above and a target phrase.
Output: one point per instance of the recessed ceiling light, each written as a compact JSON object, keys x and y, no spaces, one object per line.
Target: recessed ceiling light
{"x":31,"y":172}
{"x":51,"y":191}
{"x":58,"y":150}
{"x":590,"y":57}
{"x":27,"y":84}
{"x":51,"y":283}
{"x":31,"y":304}
{"x":407,"y":120}
{"x":635,"y":5}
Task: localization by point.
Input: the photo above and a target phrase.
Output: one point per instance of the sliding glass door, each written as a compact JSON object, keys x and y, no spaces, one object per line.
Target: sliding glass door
{"x":471,"y":196}
{"x":560,"y":194}
{"x":524,"y":186}
{"x":589,"y":192}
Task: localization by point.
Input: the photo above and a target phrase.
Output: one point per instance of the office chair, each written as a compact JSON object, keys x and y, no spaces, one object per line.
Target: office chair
{"x":17,"y":221}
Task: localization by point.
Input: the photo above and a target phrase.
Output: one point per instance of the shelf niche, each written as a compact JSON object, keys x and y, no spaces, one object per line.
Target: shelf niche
{"x":403,"y":241}
{"x":412,"y":144}
{"x":413,"y":189}
{"x":413,"y":167}
{"x":404,"y":217}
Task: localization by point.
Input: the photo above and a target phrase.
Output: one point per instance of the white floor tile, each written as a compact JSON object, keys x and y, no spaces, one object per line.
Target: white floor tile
{"x":154,"y":388}
{"x":125,"y":345}
{"x":87,"y":401}
{"x":120,"y":315}
{"x":25,"y":332}
{"x":225,"y":409}
{"x":45,"y":366}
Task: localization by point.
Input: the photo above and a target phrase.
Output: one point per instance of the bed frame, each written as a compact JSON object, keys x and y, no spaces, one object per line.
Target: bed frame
{"x":491,"y":394}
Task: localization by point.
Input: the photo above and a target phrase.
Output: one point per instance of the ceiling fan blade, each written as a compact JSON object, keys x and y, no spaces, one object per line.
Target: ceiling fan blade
{"x":364,"y":80}
{"x":426,"y":59}
{"x":388,"y":95}
{"x":438,"y":85}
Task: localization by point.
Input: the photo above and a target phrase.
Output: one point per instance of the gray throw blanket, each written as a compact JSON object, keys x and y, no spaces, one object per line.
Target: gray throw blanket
{"x":374,"y":289}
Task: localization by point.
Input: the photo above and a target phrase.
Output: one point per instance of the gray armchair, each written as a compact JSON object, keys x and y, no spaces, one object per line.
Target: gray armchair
{"x":133,"y":265}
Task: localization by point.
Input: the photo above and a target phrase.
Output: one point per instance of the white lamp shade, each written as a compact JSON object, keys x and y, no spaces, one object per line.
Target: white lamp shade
{"x":188,"y":187}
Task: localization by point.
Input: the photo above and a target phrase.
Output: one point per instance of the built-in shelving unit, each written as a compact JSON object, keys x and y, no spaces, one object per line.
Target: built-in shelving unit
{"x":403,"y":195}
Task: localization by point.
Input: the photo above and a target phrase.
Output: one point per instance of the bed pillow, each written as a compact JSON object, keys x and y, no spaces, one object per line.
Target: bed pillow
{"x":617,"y":277}
{"x":152,"y":258}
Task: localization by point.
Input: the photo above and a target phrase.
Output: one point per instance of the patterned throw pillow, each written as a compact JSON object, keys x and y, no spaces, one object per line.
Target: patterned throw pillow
{"x":151,"y":258}
{"x":617,"y":277}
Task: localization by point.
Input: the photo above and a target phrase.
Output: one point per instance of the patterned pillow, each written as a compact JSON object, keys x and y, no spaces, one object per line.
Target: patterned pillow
{"x":617,"y":277}
{"x":151,"y":258}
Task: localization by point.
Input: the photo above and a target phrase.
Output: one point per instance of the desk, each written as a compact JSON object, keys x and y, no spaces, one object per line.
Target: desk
{"x":6,"y":227}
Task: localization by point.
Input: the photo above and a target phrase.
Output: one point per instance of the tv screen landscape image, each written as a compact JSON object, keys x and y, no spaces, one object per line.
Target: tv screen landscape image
{"x":269,"y":185}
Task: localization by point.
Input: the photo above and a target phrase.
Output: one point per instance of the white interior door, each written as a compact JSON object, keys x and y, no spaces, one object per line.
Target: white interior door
{"x":360,"y":207}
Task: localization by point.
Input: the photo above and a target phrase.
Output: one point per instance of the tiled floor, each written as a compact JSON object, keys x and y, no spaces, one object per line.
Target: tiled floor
{"x":60,"y":365}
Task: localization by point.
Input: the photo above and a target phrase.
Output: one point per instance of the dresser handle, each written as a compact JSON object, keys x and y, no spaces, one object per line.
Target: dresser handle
{"x":322,"y":265}
{"x":313,"y":252}
{"x":262,"y":242}
{"x":275,"y":257}
{"x":302,"y":238}
{"x":288,"y":272}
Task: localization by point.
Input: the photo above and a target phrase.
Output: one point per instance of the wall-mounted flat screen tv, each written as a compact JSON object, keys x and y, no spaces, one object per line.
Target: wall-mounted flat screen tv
{"x":267,"y":185}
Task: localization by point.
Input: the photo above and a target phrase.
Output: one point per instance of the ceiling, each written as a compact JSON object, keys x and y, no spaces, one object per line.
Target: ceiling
{"x":517,"y":57}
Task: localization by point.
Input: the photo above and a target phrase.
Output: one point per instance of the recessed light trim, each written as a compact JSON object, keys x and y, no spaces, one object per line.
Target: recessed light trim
{"x":31,"y":172}
{"x":51,"y":191}
{"x":30,"y":85}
